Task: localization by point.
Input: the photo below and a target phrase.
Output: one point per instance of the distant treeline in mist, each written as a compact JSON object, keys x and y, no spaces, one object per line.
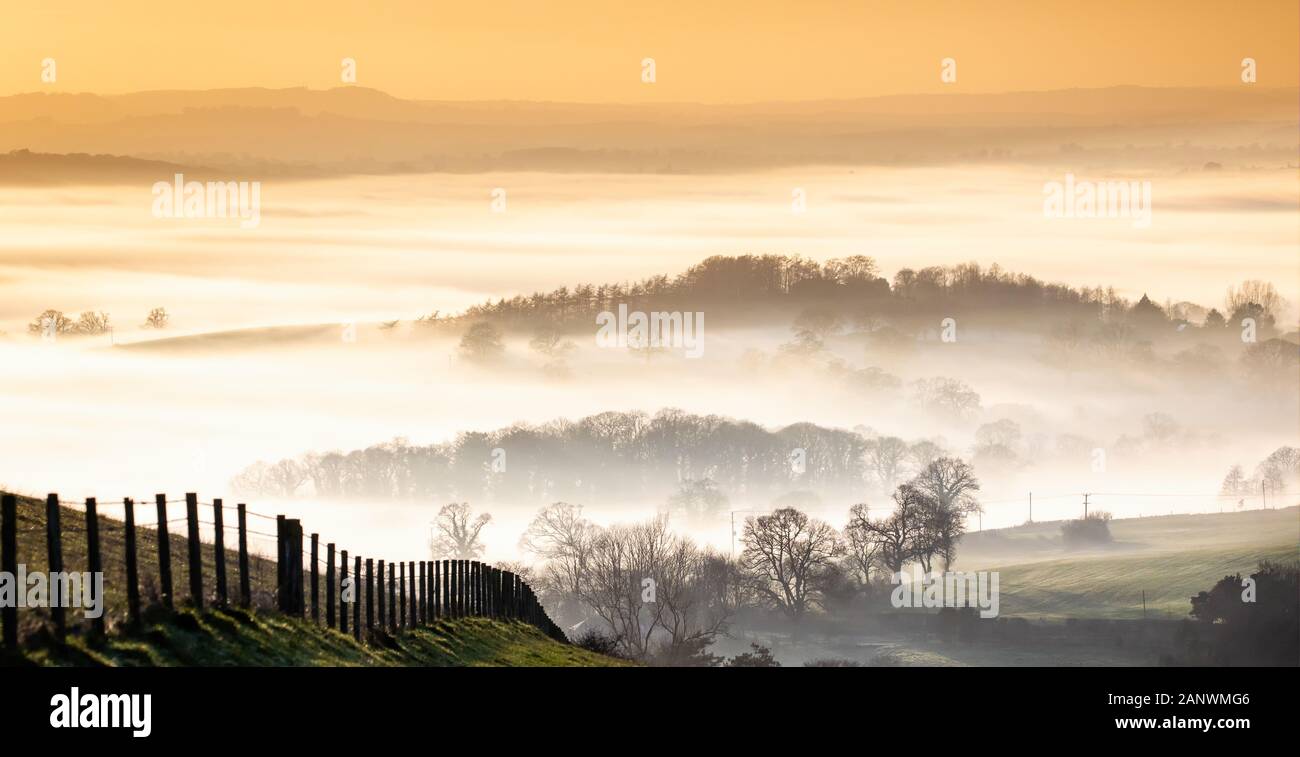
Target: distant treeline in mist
{"x":610,"y":457}
{"x":851,"y":293}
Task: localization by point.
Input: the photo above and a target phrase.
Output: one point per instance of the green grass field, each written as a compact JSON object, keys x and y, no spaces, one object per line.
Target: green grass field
{"x":1112,"y":587}
{"x":1171,"y":558}
{"x":237,"y":638}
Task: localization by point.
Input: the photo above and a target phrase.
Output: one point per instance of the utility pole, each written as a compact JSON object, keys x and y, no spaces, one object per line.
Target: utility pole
{"x":1263,"y":493}
{"x":1085,"y":507}
{"x":1031,"y":507}
{"x":733,"y":534}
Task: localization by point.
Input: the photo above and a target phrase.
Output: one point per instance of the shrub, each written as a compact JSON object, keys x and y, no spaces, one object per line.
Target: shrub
{"x":832,"y":662}
{"x":594,"y":640}
{"x":759,"y":657}
{"x":1089,"y":531}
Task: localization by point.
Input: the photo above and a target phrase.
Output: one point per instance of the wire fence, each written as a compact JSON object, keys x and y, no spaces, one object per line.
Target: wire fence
{"x":210,"y":557}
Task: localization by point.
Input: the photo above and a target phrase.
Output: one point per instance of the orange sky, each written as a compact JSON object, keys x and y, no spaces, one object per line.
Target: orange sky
{"x":590,"y":50}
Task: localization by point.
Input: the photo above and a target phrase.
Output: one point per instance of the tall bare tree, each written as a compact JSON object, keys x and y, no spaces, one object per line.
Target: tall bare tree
{"x":458,"y":532}
{"x":950,"y":485}
{"x":861,"y":543}
{"x":560,"y":537}
{"x":786,"y":555}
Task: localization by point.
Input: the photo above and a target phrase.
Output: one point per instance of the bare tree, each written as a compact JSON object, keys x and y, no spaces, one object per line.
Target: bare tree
{"x":458,"y":532}
{"x":1254,"y":292}
{"x":950,"y":484}
{"x":549,"y":342}
{"x":662,"y":596}
{"x":786,"y":555}
{"x":692,"y":587}
{"x":482,"y":344}
{"x":560,"y":537}
{"x":699,"y":499}
{"x":861,"y":543}
{"x":622,"y":559}
{"x":947,"y":397}
{"x":91,"y":323}
{"x":885,"y":457}
{"x":157,"y":319}
{"x":52,"y":322}
{"x":900,"y":534}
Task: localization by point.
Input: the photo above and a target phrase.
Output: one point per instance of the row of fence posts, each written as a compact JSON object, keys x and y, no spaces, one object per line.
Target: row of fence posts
{"x":397,"y":595}
{"x":443,"y":589}
{"x":95,"y":559}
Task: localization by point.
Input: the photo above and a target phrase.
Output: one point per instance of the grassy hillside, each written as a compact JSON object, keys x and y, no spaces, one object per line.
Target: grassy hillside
{"x":236,"y":638}
{"x":33,"y":553}
{"x":1170,"y":557}
{"x":1112,"y":586}
{"x":1134,"y":536}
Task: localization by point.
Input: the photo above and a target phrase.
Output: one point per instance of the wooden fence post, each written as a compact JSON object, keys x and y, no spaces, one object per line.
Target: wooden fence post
{"x":456,"y":580}
{"x":379,"y":587}
{"x":356,"y":600}
{"x":164,"y":552}
{"x":299,"y":603}
{"x":94,"y":559}
{"x":401,"y":577}
{"x":219,"y":550}
{"x":410,"y":565}
{"x":283,"y":598}
{"x":370,"y":586}
{"x":451,"y":588}
{"x":392,"y":597}
{"x":289,"y":566}
{"x":438,"y":612}
{"x":495,"y":584}
{"x":478,"y":589}
{"x":315,"y":578}
{"x":196,"y":557}
{"x":424,"y":595}
{"x":132,"y":564}
{"x":245,"y":590}
{"x":343,"y":582}
{"x":54,"y":545}
{"x":455,"y":588}
{"x":9,"y":565}
{"x":329,"y":584}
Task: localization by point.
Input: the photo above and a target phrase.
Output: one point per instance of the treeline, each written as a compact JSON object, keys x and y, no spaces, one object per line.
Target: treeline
{"x":661,"y":598}
{"x":53,"y":323}
{"x":757,"y":285}
{"x":612,"y":456}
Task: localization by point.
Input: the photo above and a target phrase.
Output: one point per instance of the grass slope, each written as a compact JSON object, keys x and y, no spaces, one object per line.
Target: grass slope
{"x":1112,"y":586}
{"x":236,"y":638}
{"x":33,"y":553}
